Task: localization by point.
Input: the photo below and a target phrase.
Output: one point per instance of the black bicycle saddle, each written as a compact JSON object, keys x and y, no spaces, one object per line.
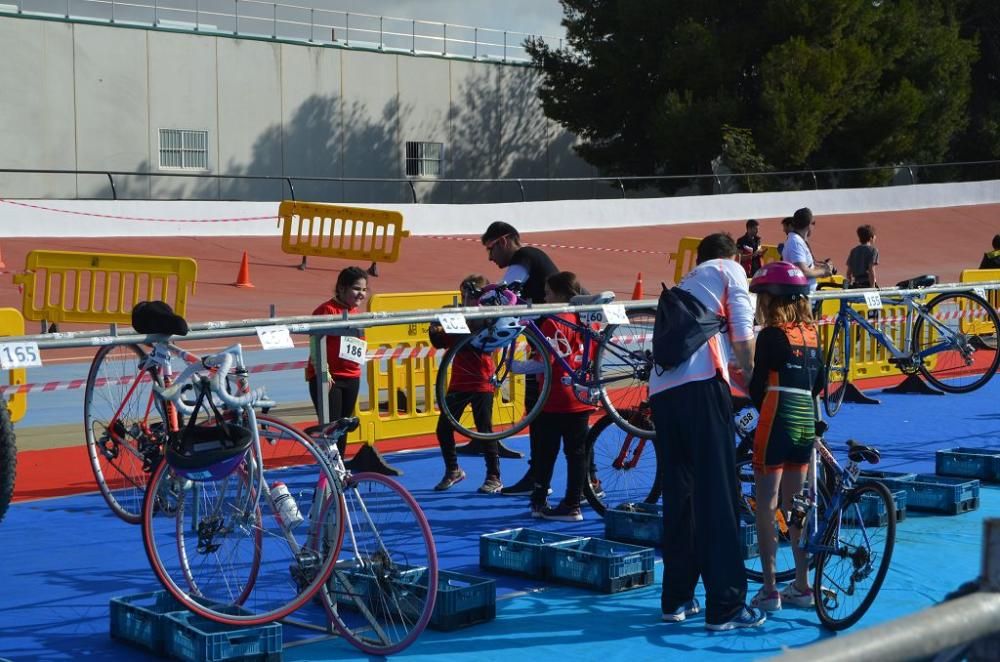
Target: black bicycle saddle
{"x":861,"y":453}
{"x":157,"y":317}
{"x":920,"y":281}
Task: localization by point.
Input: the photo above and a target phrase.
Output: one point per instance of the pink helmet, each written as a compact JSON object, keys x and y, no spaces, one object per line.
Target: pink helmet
{"x":780,"y":279}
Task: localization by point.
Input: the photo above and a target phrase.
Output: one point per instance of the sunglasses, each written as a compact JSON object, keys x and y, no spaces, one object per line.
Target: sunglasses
{"x":490,"y":244}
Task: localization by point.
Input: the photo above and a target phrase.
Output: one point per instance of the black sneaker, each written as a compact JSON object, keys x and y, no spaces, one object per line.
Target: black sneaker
{"x":523,"y":487}
{"x":538,"y":507}
{"x":563,"y":513}
{"x":450,"y":479}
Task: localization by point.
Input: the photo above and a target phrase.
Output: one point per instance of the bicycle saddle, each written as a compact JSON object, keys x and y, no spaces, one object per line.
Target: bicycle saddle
{"x":861,"y":453}
{"x":157,"y":317}
{"x":592,"y":299}
{"x":920,"y":281}
{"x":337,"y":428}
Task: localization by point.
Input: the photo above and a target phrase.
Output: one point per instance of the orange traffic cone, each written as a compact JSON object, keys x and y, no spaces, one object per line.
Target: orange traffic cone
{"x":637,"y":290}
{"x":243,"y":279}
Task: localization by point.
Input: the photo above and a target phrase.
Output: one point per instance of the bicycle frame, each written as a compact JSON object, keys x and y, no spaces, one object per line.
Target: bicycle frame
{"x":843,"y":480}
{"x":849,"y":315}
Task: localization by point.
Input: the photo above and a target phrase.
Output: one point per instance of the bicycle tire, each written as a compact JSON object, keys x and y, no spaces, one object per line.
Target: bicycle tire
{"x":122,"y":427}
{"x":963,"y":313}
{"x":380,"y":597}
{"x":784,"y":568}
{"x":8,"y":458}
{"x":219,"y":546}
{"x":616,"y":458}
{"x":836,"y":369}
{"x":507,"y":418}
{"x":828,"y":585}
{"x":622,"y":366}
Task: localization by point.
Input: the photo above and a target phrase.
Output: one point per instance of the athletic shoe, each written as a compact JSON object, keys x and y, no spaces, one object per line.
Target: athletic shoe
{"x":793,"y":596}
{"x":523,"y":487}
{"x":767,"y":601}
{"x":689,"y":608}
{"x":491,"y":485}
{"x":748,"y":617}
{"x":450,"y":479}
{"x":563,"y":513}
{"x":538,"y":507}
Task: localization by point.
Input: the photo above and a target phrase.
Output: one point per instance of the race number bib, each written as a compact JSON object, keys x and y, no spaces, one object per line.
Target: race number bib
{"x":453,"y":323}
{"x":353,"y":349}
{"x":873,"y":300}
{"x":592,"y":317}
{"x":274,"y":337}
{"x":615,"y":314}
{"x":20,"y":355}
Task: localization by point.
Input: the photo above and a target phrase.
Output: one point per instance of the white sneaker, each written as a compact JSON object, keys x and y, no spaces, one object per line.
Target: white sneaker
{"x":790,"y":595}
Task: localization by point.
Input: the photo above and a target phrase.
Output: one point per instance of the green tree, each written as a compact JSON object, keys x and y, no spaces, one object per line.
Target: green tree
{"x":650,"y":85}
{"x":981,"y":21}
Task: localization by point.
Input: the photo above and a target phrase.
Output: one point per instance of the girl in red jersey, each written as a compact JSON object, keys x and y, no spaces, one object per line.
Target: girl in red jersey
{"x":344,"y":353}
{"x":564,"y":416}
{"x":469,"y":386}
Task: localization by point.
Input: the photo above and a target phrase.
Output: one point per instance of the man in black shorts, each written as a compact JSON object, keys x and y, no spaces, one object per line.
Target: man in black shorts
{"x":529,"y":266}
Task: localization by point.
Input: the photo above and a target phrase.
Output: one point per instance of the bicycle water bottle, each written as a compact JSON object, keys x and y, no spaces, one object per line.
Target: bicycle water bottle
{"x":285,"y":506}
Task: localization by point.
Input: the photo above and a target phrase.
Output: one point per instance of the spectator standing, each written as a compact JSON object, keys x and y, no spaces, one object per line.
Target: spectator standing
{"x":862,"y":260}
{"x":693,"y":415}
{"x":991,"y":260}
{"x":786,"y":227}
{"x":529,"y":266}
{"x":469,"y":386}
{"x":344,"y":353}
{"x":750,"y":248}
{"x":797,"y":251}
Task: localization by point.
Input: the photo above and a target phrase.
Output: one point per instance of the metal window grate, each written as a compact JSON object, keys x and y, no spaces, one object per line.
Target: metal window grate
{"x":424,"y":159}
{"x":183,"y":149}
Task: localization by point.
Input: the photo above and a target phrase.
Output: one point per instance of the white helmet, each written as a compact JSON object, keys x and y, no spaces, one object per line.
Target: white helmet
{"x":498,"y":334}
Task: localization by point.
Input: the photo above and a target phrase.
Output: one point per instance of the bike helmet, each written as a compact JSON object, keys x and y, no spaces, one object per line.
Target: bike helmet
{"x":498,"y":334}
{"x":780,"y":279}
{"x":203,"y":452}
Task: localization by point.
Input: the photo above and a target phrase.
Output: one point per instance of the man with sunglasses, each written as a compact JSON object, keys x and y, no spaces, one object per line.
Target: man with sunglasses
{"x":529,"y":266}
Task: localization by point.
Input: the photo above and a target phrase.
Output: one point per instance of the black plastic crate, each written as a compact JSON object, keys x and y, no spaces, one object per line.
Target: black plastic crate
{"x":196,"y":639}
{"x":518,"y":551}
{"x":603,"y":565}
{"x":141,"y":619}
{"x":938,"y":494}
{"x":638,"y":523}
{"x":982,"y":463}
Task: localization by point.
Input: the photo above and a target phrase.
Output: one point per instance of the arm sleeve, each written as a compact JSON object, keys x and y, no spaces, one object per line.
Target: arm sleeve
{"x":516,"y":273}
{"x":771,"y":351}
{"x":739,"y":309}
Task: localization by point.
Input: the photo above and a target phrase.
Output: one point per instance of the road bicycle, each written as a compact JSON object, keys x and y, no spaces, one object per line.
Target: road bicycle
{"x":952,"y":342}
{"x":623,"y":467}
{"x":849,"y":531}
{"x":614,"y":368}
{"x":8,"y":458}
{"x":286,"y":525}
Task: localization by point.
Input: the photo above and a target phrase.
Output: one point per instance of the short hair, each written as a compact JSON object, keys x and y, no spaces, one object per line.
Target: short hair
{"x":350,"y":275}
{"x":499,"y":229}
{"x":802,"y":218}
{"x":996,"y":242}
{"x":719,"y":245}
{"x":752,"y":223}
{"x":866,"y":233}
{"x":564,"y":283}
{"x":787,"y":220}
{"x":473,"y":283}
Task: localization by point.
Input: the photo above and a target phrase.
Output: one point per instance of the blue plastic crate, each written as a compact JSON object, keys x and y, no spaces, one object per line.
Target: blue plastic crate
{"x":196,"y":639}
{"x":461,"y":599}
{"x":938,"y":494}
{"x":868,"y":474}
{"x":639,"y":523}
{"x":141,"y":619}
{"x":873,"y":511}
{"x":602,"y":565}
{"x":518,"y":551}
{"x":748,"y":539}
{"x":982,"y":463}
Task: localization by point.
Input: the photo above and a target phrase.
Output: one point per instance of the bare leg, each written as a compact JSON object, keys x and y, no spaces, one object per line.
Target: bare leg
{"x":766,"y":490}
{"x":791,"y":483}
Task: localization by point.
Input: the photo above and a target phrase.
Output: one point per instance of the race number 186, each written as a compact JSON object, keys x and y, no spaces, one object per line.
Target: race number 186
{"x":20,"y":355}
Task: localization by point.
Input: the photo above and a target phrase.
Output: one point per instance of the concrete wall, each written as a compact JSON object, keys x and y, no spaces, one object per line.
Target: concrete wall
{"x":94,"y":97}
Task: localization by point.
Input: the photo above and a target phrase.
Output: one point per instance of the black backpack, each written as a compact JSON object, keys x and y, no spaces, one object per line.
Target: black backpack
{"x":683,"y":324}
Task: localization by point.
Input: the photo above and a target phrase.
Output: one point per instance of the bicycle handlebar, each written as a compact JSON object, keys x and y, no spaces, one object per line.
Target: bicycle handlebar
{"x":221,"y":364}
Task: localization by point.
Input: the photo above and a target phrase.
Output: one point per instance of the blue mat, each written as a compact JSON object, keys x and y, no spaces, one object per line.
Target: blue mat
{"x":63,"y":559}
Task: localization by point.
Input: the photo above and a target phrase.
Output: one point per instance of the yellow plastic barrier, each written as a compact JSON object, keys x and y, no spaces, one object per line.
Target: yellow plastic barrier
{"x":981,"y":327}
{"x":325,"y":230}
{"x":12,"y":324}
{"x":687,"y":256}
{"x":66,"y":286}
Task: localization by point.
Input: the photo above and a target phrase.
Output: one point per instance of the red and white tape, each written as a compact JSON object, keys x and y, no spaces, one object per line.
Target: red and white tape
{"x":73,"y":212}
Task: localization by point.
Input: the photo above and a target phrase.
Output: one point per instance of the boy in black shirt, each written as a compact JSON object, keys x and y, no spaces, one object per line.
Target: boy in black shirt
{"x":750,"y":251}
{"x":862,"y":260}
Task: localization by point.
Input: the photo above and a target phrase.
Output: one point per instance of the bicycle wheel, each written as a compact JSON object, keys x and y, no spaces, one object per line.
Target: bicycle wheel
{"x":961,"y":355}
{"x":837,"y":369}
{"x":124,"y":425}
{"x":383,"y":588}
{"x":508,"y":417}
{"x":784,"y":566}
{"x":850,"y":573}
{"x":221,"y":546}
{"x":8,"y":458}
{"x":622,"y":367}
{"x":623,"y":467}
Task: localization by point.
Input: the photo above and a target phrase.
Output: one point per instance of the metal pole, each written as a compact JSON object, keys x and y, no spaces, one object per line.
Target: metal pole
{"x":114,"y":193}
{"x":413,"y":37}
{"x":274,"y":26}
{"x":347,"y":28}
{"x":504,"y":45}
{"x":156,"y":10}
{"x":815,"y":181}
{"x":197,"y":14}
{"x":521,"y":186}
{"x":112,"y":11}
{"x":381,"y":39}
{"x":291,"y":188}
{"x":236,"y":17}
{"x":312,"y":24}
{"x":413,"y":191}
{"x":622,"y":187}
{"x":912,"y":178}
{"x":67,"y":8}
{"x":475,"y":43}
{"x":444,"y":48}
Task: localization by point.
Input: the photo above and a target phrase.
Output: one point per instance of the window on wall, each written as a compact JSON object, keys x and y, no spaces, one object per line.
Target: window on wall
{"x":181,"y":149}
{"x":424,"y":159}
